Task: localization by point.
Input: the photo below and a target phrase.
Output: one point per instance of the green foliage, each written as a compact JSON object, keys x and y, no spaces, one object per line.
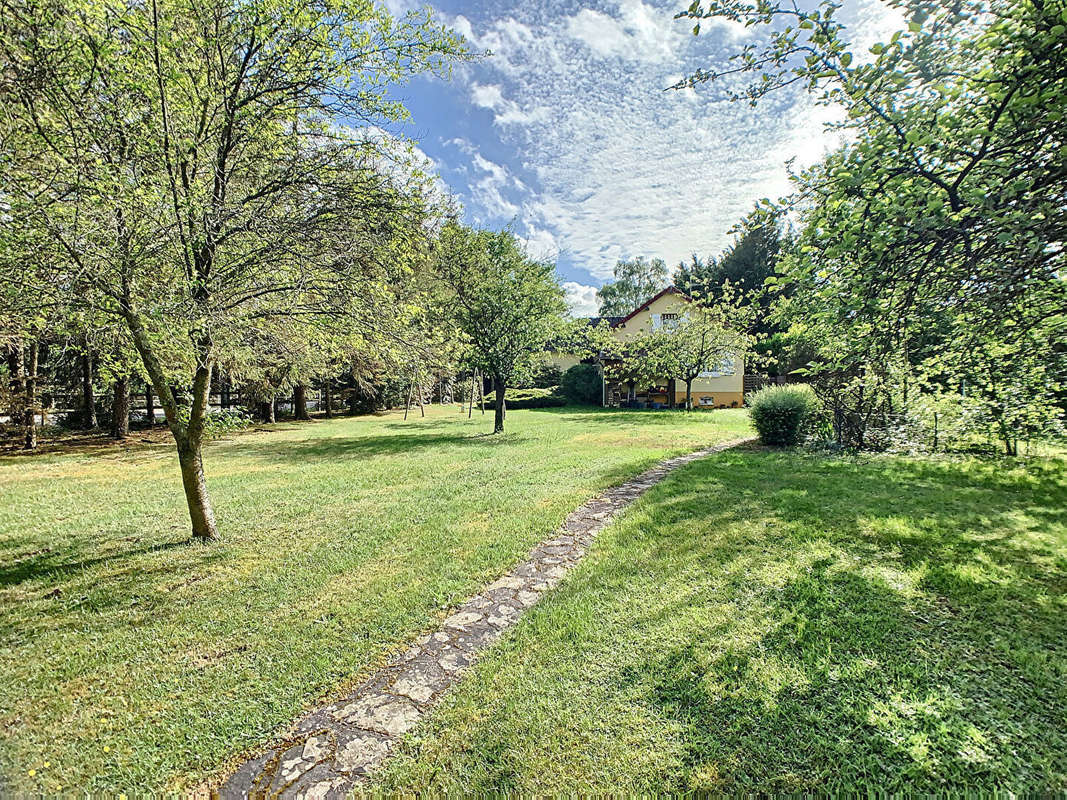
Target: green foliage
{"x":744,"y":265}
{"x":636,"y":281}
{"x":535,"y":398}
{"x":933,"y":247}
{"x":544,"y":376}
{"x":223,"y":422}
{"x":193,"y":170}
{"x":582,"y":384}
{"x":780,"y":413}
{"x":507,"y":305}
{"x":373,"y":394}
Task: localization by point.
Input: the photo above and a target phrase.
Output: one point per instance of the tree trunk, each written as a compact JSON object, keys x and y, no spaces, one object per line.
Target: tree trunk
{"x":149,"y":405}
{"x":17,"y":386}
{"x":187,"y":438}
{"x":300,"y":402}
{"x":88,"y":399}
{"x":689,"y":394}
{"x":120,"y":409}
{"x":29,"y":414}
{"x":200,"y":512}
{"x":269,"y":411}
{"x":498,"y":420}
{"x":327,"y":398}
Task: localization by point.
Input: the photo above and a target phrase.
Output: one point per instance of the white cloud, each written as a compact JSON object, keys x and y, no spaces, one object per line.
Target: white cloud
{"x":620,"y":166}
{"x":643,"y":172}
{"x":506,"y":112}
{"x":540,"y":243}
{"x":581,"y":299}
{"x":640,"y":32}
{"x":488,"y":188}
{"x":398,"y":8}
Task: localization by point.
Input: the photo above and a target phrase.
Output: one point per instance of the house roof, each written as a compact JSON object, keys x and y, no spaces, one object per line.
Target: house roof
{"x":669,"y":290}
{"x":615,"y":322}
{"x":612,"y":321}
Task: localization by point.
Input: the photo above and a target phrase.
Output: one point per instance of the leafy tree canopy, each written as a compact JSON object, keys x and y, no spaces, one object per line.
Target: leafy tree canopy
{"x":508,"y":305}
{"x":933,"y":245}
{"x":192,"y":164}
{"x":635,"y":282}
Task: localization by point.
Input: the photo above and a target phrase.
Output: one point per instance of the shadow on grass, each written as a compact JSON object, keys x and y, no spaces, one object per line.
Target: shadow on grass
{"x":366,"y":446}
{"x":854,"y":680}
{"x":52,"y":564}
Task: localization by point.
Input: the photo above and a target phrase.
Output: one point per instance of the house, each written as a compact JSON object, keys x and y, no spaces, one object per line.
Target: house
{"x":722,"y":387}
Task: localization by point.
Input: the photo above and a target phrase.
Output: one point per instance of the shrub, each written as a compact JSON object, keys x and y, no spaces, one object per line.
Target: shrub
{"x":581,"y":384}
{"x":780,"y":413}
{"x":529,"y":398}
{"x":547,"y":376}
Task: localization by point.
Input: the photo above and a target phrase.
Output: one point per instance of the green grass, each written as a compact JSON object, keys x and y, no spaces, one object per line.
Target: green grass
{"x":131,"y":659}
{"x":776,"y":622}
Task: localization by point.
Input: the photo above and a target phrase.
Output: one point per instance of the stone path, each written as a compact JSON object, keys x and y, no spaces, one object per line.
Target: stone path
{"x":337,"y":747}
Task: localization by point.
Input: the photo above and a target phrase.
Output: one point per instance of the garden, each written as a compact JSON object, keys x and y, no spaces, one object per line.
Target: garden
{"x":315,"y":480}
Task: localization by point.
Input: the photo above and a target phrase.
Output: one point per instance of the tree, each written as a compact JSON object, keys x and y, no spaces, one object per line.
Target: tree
{"x":191,"y":162}
{"x":507,"y":304}
{"x":943,"y":221}
{"x":745,"y":264}
{"x":636,"y":281}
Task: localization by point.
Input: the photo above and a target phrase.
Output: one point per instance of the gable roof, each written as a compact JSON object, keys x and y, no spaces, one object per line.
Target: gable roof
{"x":612,"y":321}
{"x":669,"y":290}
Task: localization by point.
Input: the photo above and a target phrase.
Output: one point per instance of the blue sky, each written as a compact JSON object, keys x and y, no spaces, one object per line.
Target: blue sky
{"x":565,"y":131}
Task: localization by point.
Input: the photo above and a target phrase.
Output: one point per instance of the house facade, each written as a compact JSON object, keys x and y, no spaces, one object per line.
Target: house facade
{"x":722,"y":387}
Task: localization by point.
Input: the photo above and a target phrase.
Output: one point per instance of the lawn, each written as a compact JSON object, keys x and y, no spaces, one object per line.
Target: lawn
{"x":769,"y":622}
{"x":132,"y":659}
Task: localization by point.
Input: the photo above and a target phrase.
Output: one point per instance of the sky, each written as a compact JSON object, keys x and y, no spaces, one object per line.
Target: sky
{"x":565,"y":130}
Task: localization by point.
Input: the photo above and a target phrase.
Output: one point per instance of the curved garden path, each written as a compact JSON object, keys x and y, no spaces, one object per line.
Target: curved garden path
{"x":337,"y":747}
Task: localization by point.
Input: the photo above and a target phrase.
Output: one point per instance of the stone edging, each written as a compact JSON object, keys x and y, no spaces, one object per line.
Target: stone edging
{"x":338,"y":746}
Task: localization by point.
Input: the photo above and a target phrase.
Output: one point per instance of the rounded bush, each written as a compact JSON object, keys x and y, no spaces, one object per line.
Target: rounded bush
{"x":581,"y":384}
{"x":780,"y":413}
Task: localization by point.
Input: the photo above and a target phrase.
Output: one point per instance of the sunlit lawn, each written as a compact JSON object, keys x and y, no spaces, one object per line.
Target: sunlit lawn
{"x":131,"y":659}
{"x":766,"y":622}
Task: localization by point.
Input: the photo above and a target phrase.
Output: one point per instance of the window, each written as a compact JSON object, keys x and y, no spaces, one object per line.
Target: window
{"x":670,"y":321}
{"x":725,"y":367}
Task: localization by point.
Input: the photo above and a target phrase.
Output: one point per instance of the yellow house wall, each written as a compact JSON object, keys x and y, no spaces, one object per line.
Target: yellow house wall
{"x":723,"y":389}
{"x":563,"y":360}
{"x":668,"y":304}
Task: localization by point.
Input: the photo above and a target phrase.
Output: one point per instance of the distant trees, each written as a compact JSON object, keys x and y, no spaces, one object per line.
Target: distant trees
{"x":635,"y":282}
{"x":189,"y":164}
{"x":744,"y":265}
{"x":508,"y":305}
